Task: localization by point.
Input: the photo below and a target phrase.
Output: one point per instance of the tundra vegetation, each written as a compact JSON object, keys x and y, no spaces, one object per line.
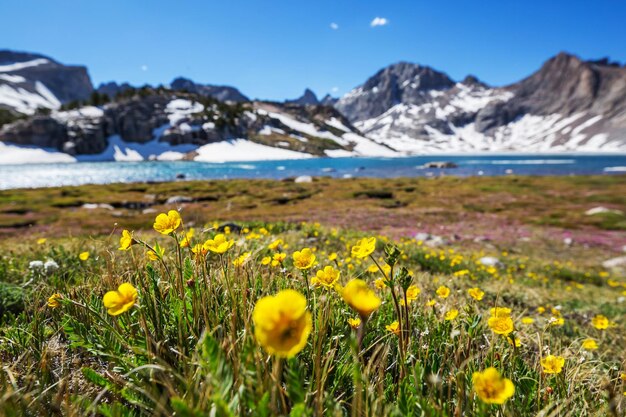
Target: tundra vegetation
{"x":272,"y":298}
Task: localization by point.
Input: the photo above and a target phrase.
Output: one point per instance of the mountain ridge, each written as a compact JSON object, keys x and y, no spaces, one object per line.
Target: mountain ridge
{"x":566,"y":105}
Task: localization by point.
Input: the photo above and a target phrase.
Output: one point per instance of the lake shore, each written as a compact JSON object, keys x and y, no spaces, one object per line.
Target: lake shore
{"x":512,"y":211}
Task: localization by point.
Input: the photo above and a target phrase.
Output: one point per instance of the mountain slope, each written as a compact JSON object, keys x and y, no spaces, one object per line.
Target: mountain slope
{"x":568,"y":105}
{"x":31,"y":81}
{"x":169,"y":125}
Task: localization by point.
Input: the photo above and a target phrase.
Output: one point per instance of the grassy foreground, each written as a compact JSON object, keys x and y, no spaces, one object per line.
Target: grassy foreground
{"x":190,"y":343}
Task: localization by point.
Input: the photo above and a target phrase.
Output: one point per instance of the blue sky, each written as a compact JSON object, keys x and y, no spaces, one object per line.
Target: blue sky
{"x":273,"y":49}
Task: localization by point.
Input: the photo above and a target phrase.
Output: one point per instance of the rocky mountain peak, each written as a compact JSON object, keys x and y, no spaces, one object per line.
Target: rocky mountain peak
{"x":403,"y":82}
{"x":30,"y":81}
{"x":307,"y":98}
{"x":567,"y":84}
{"x":328,"y":100}
{"x":473,"y":81}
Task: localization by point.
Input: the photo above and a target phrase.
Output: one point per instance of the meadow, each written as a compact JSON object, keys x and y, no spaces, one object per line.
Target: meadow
{"x":361,"y":297}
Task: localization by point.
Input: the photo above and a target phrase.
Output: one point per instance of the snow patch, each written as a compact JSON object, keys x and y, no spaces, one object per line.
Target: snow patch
{"x":244,"y":150}
{"x":15,"y":154}
{"x":21,"y":65}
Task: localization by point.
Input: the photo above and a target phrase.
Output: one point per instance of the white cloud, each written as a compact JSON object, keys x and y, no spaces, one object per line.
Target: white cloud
{"x":144,"y":68}
{"x":334,"y":26}
{"x":379,"y":21}
{"x":334,"y":89}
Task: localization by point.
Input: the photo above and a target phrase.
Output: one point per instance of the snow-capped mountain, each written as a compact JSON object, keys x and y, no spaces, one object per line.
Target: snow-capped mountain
{"x":31,"y":81}
{"x":404,"y":109}
{"x":568,"y":105}
{"x":170,"y":125}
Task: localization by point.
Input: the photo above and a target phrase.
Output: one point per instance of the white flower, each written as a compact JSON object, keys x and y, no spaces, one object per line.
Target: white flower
{"x":35,"y":266}
{"x":50,"y":266}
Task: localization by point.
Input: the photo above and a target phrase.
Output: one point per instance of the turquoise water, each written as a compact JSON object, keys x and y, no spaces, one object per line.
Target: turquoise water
{"x":49,"y":175}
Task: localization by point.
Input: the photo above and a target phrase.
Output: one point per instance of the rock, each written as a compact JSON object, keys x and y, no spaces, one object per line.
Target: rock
{"x":177,"y":199}
{"x":303,"y":179}
{"x":93,"y":206}
{"x":489,"y":261}
{"x":602,"y":210}
{"x":112,"y":88}
{"x":440,"y":165}
{"x":615,"y":263}
{"x":180,"y":176}
{"x":234,"y":228}
{"x":429,"y":240}
{"x":149,"y":211}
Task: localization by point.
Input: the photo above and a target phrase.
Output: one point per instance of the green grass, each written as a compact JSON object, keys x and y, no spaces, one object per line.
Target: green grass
{"x":188,"y":346}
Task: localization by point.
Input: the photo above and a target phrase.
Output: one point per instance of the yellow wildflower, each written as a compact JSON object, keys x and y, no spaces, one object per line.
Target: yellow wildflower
{"x":364,"y":247}
{"x":167,"y":223}
{"x":83,"y":256}
{"x":53,"y":301}
{"x":491,"y":387}
{"x":501,"y":324}
{"x":354,"y":322}
{"x":126,"y":241}
{"x":360,"y":297}
{"x":394,"y":328}
{"x":282,"y":323}
{"x":411,"y":294}
{"x":528,"y":320}
{"x":556,"y":321}
{"x":476,"y":293}
{"x":199,"y":249}
{"x":326,"y":277}
{"x":380,"y":283}
{"x":443,"y":291}
{"x":552,"y":364}
{"x":303,"y":259}
{"x":219,"y":244}
{"x":600,"y":322}
{"x":500,"y":312}
{"x":41,"y":240}
{"x":121,"y":300}
{"x":451,"y":314}
{"x":275,"y":244}
{"x":278,"y":259}
{"x":241,"y":259}
{"x":266,"y":260}
{"x":589,"y":344}
{"x":186,"y":241}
